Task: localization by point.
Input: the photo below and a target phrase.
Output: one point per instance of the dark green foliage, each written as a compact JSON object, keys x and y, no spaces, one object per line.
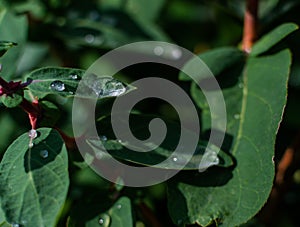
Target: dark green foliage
{"x":46,"y":48}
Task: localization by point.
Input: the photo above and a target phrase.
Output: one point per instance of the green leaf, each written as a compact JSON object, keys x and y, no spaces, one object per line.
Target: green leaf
{"x":10,"y":25}
{"x":118,"y":215}
{"x":34,"y":181}
{"x":51,"y":114}
{"x":272,"y":38}
{"x":4,"y":46}
{"x":5,"y":224}
{"x":121,"y":214}
{"x":64,"y":82}
{"x":139,"y":128}
{"x":54,"y":80}
{"x":230,"y":198}
{"x":119,"y":151}
{"x":217,"y":60}
{"x":11,"y":101}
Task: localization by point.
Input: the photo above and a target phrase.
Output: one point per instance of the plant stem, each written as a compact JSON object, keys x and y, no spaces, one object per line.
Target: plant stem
{"x":33,"y":111}
{"x":250,"y":25}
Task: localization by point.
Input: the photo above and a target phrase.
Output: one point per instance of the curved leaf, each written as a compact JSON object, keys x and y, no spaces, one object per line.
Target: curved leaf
{"x":54,"y":80}
{"x":139,"y":127}
{"x":34,"y":181}
{"x":217,"y":60}
{"x":12,"y":101}
{"x":118,"y":215}
{"x":65,"y":81}
{"x":272,"y":38}
{"x":4,"y":46}
{"x":10,"y":25}
{"x":253,"y":118}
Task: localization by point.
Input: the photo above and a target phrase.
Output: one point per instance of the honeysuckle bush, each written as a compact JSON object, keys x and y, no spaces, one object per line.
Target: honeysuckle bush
{"x":44,"y":181}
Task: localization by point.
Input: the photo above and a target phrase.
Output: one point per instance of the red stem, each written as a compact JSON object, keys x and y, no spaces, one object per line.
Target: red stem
{"x":33,"y":111}
{"x":250,"y":25}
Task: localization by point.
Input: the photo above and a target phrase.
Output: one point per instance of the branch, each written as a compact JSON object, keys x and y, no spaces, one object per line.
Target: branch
{"x":250,"y":25}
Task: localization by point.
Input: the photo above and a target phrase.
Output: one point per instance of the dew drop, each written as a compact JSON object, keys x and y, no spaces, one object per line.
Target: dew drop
{"x":236,"y":116}
{"x":103,"y":138}
{"x":74,"y":77}
{"x":104,"y":220}
{"x":119,"y":141}
{"x":57,"y":85}
{"x":119,"y":206}
{"x":175,"y":159}
{"x":32,"y":134}
{"x":15,"y":225}
{"x":105,"y":86}
{"x":113,"y":88}
{"x":210,"y":158}
{"x":158,"y":50}
{"x":89,"y":38}
{"x":176,"y":53}
{"x":31,"y":144}
{"x":44,"y":153}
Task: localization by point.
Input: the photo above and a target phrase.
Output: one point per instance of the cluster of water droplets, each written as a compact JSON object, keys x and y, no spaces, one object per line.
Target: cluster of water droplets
{"x":210,"y":158}
{"x":105,"y":86}
{"x":32,"y":135}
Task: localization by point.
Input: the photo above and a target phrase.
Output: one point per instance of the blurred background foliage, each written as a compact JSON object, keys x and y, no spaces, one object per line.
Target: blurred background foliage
{"x":74,"y":33}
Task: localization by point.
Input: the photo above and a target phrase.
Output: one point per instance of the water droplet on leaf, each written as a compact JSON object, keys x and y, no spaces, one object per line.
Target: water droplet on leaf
{"x":104,"y":220}
{"x":32,"y":134}
{"x":74,"y":77}
{"x":119,"y":206}
{"x":158,"y":50}
{"x":175,"y":159}
{"x":89,"y":38}
{"x":104,"y":86}
{"x":57,"y":85}
{"x":176,"y":53}
{"x":103,"y":138}
{"x":236,"y":116}
{"x":113,"y":88}
{"x":44,"y":153}
{"x":210,"y":158}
